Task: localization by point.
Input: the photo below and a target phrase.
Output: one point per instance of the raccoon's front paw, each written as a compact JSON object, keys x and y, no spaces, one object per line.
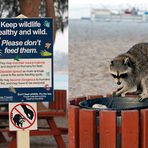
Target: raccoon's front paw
{"x":138,"y":92}
{"x":116,"y":94}
{"x":143,"y":97}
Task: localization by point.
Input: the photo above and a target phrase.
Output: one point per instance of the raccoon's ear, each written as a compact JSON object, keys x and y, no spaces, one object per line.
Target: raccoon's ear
{"x":126,"y":60}
{"x":111,"y":62}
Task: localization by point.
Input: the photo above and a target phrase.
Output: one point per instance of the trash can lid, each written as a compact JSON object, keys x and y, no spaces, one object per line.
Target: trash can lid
{"x":115,"y":103}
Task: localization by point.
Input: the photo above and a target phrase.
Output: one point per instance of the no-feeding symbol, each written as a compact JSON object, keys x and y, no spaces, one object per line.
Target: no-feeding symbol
{"x":22,"y":116}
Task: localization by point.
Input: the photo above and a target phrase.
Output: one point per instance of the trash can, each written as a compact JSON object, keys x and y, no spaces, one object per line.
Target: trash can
{"x":121,"y":122}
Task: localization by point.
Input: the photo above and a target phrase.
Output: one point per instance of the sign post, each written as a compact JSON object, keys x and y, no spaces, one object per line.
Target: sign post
{"x":23,"y":140}
{"x":26,"y":71}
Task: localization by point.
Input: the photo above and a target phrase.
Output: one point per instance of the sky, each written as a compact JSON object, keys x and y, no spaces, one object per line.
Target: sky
{"x":115,"y":2}
{"x":81,"y":8}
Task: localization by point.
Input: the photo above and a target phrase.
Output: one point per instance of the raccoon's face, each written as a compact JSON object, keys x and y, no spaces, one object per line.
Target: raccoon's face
{"x":120,"y":70}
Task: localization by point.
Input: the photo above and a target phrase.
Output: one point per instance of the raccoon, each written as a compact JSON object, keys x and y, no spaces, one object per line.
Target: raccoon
{"x":130,"y":70}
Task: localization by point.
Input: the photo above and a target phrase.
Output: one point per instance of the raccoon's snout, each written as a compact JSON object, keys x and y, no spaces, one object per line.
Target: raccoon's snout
{"x":118,"y":83}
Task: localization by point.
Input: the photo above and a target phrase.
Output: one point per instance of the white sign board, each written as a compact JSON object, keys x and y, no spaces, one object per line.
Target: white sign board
{"x":22,"y":116}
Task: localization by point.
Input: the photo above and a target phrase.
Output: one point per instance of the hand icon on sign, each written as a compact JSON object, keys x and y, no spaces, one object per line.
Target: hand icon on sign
{"x":28,"y":112}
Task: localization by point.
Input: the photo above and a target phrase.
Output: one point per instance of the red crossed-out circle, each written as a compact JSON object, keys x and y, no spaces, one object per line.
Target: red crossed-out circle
{"x":15,"y":108}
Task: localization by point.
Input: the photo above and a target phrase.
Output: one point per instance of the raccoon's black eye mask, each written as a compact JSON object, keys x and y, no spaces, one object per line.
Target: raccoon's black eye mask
{"x":120,"y":76}
{"x":114,"y":76}
{"x":123,"y":75}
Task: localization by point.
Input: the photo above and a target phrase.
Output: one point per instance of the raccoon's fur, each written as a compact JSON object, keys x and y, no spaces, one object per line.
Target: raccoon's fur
{"x":131,"y":70}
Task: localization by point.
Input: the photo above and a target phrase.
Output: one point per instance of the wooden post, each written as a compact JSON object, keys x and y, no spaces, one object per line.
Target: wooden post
{"x":23,"y":139}
{"x":30,"y":8}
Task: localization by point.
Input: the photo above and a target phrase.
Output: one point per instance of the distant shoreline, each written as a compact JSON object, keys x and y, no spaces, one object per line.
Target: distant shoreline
{"x":108,"y":21}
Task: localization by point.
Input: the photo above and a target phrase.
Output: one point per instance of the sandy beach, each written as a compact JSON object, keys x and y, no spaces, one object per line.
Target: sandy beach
{"x":91,"y":47}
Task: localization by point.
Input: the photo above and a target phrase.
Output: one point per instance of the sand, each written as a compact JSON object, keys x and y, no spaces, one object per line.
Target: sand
{"x":91,"y":47}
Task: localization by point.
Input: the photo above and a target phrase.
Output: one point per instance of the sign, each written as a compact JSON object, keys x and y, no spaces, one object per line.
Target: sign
{"x":26,"y":60}
{"x":22,"y":116}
